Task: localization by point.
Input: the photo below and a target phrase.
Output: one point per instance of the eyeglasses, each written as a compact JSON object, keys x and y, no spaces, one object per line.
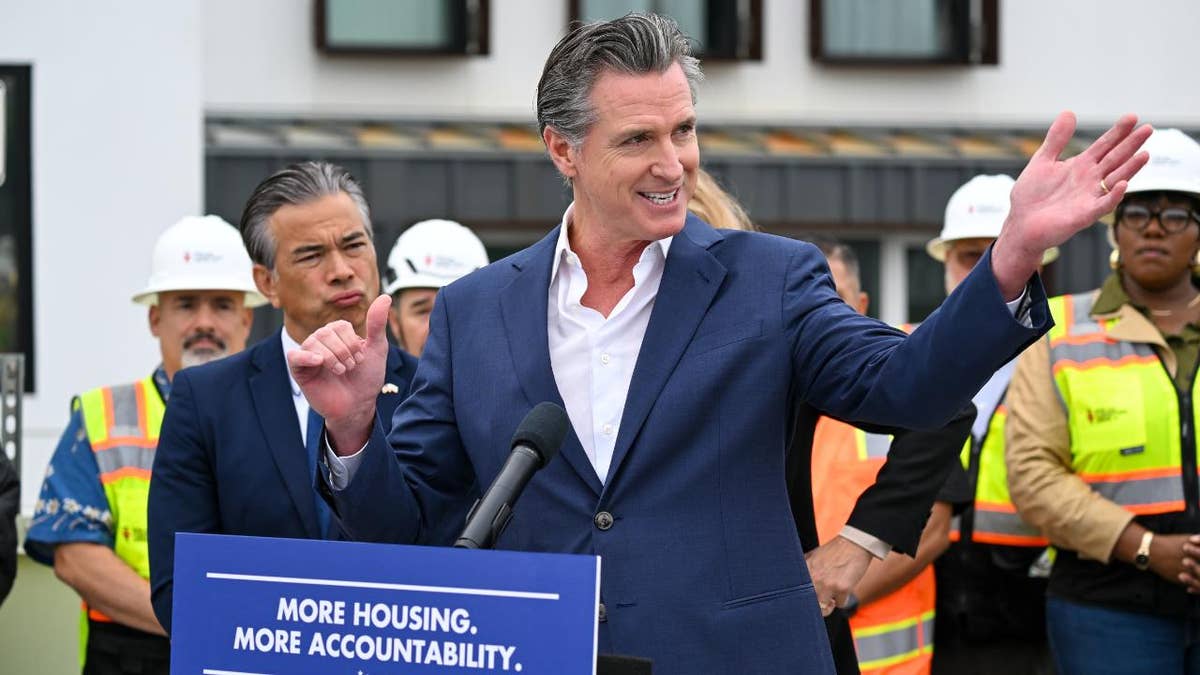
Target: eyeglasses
{"x":1172,"y":220}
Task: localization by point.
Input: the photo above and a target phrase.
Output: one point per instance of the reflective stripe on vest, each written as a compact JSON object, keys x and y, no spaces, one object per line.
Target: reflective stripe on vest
{"x":995,"y":519}
{"x":122,"y":425}
{"x":893,"y":634}
{"x":886,"y":648}
{"x":1122,"y":411}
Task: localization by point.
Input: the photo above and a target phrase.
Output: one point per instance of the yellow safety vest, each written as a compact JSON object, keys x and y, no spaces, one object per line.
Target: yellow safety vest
{"x":1123,"y":411}
{"x":995,"y":519}
{"x":894,"y":634}
{"x":122,"y":425}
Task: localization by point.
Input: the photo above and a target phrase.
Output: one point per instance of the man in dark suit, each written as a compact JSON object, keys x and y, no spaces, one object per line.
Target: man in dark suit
{"x":680,"y":354}
{"x":238,"y":445}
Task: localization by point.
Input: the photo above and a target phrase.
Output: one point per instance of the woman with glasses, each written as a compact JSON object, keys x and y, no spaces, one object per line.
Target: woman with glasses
{"x":1102,"y":453}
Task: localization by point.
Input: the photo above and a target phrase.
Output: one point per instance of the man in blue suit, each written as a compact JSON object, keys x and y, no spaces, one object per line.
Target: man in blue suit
{"x":680,"y":353}
{"x":238,"y":445}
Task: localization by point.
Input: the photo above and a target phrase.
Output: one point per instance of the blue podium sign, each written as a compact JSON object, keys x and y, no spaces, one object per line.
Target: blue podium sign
{"x":257,"y":606}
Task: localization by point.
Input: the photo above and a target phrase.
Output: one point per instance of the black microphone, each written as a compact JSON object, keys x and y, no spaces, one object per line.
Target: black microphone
{"x":536,"y":442}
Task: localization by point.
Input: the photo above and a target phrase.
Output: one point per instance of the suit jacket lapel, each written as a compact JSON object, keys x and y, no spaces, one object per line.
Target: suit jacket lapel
{"x":690,"y":281}
{"x":271,"y":391}
{"x":523,"y":308}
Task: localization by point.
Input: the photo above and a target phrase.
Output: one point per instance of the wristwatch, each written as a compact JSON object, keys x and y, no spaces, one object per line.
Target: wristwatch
{"x":1142,"y":559}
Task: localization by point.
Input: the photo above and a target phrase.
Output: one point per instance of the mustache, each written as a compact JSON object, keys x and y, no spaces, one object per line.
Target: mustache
{"x":199,"y":335}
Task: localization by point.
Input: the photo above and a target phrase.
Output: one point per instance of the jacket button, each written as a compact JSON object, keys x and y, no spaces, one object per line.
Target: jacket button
{"x":603,"y":613}
{"x":604,"y":520}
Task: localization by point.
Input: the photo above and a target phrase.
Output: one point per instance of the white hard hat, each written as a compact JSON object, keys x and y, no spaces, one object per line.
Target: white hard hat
{"x":200,"y":253}
{"x":977,"y":210}
{"x":433,"y":253}
{"x":1174,"y":164}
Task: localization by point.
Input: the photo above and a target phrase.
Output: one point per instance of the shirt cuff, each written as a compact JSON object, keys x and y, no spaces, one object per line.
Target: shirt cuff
{"x":342,"y":469}
{"x":874,"y":545}
{"x":1019,"y":308}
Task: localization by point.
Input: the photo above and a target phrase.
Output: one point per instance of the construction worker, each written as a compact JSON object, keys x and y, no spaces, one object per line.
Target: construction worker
{"x":90,"y":519}
{"x":426,"y":257}
{"x":892,"y":607}
{"x":1102,"y":443}
{"x":990,"y":583}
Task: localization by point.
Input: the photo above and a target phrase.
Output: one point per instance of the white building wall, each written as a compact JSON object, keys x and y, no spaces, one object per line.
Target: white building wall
{"x":1098,"y":57}
{"x":117,"y":157}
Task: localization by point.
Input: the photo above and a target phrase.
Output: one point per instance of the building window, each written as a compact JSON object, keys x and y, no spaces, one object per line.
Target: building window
{"x":904,"y":31}
{"x":719,"y":29}
{"x":398,"y":27}
{"x":16,"y":221}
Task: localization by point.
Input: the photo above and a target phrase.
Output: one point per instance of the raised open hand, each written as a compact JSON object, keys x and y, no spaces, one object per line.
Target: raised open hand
{"x":341,"y":373}
{"x":1055,"y":198}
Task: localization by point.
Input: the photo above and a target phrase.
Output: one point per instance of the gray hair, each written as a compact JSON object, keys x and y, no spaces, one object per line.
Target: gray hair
{"x":295,"y":184}
{"x":634,"y":44}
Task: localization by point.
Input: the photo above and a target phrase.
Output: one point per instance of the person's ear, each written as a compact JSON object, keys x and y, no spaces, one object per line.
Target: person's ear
{"x":562,"y":153}
{"x":267,"y":284}
{"x":154,"y":317}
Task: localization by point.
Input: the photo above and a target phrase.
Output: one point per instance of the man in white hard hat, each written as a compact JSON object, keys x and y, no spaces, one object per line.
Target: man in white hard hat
{"x":991,"y":582}
{"x":239,"y":442}
{"x":426,"y":257}
{"x":90,"y":518}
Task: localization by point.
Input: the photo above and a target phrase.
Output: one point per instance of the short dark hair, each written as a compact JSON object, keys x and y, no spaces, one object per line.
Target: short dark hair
{"x":836,"y":250}
{"x":293,"y":185}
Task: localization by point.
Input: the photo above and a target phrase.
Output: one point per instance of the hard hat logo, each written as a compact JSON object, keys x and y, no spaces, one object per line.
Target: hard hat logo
{"x":203,"y":257}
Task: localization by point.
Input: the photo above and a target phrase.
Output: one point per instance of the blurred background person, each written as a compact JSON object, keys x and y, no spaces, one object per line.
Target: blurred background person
{"x":990,"y":587}
{"x":1102,"y":442}
{"x":10,"y":504}
{"x":90,"y":519}
{"x":891,"y":611}
{"x":239,"y":443}
{"x":427,"y":256}
{"x":717,"y":207}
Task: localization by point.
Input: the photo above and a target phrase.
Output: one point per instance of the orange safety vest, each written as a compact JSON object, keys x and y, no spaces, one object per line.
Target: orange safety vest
{"x":894,"y":634}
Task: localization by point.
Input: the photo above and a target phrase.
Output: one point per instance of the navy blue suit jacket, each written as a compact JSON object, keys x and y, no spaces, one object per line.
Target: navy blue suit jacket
{"x":230,"y":459}
{"x":702,"y":569}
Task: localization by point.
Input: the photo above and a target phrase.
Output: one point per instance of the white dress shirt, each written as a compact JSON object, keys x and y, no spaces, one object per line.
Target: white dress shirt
{"x":298,"y":399}
{"x":592,"y":356}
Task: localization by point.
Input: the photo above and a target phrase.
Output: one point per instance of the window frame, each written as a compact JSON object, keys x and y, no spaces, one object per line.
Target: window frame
{"x":471,"y":34}
{"x":974,"y":48}
{"x":18,"y":165}
{"x":747,"y":38}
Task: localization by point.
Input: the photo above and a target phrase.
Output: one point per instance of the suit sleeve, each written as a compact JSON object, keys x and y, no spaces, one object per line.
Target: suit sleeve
{"x":915,"y":474}
{"x":10,"y":504}
{"x":183,"y":494}
{"x":860,"y":370}
{"x":419,"y":469}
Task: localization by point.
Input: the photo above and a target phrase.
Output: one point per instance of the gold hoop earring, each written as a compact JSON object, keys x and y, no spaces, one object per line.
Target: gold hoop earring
{"x":1114,"y":260}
